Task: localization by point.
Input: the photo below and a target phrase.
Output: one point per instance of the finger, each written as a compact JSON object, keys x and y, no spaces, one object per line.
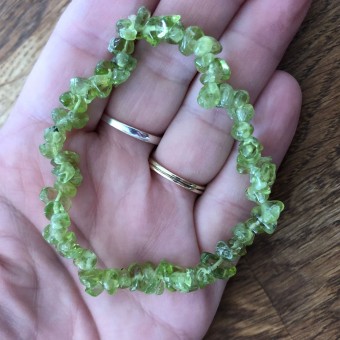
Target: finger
{"x":223,"y":203}
{"x":197,"y":143}
{"x":150,"y":99}
{"x":79,"y":40}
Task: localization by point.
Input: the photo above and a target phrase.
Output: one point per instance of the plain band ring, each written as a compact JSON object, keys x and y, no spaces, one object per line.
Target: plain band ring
{"x":131,"y":131}
{"x":155,"y":166}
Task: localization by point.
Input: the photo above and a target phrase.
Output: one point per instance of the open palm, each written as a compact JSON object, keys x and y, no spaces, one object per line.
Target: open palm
{"x":124,"y":212}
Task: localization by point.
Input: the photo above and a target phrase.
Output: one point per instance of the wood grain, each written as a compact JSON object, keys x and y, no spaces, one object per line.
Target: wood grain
{"x":287,"y":286}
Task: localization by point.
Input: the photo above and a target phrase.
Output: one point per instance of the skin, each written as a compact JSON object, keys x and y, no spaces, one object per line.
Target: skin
{"x":124,"y":212}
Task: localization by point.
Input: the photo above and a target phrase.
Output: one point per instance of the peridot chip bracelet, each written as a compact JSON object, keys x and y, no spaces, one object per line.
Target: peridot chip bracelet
{"x":148,"y":277}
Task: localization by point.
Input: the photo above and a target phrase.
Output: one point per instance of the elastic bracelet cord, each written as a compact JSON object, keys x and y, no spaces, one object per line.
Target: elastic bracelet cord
{"x":215,"y":92}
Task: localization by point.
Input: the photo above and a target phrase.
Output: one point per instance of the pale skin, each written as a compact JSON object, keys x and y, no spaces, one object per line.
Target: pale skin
{"x":123,"y":211}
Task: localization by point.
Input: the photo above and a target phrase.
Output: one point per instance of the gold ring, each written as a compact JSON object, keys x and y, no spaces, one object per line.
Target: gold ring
{"x":155,"y":166}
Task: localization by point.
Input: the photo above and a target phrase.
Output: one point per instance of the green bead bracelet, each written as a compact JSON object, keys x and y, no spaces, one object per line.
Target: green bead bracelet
{"x":215,"y":92}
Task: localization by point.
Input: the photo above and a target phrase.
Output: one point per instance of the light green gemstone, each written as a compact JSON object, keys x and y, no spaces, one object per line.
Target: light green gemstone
{"x":91,"y":279}
{"x":119,"y":76}
{"x":189,"y":41}
{"x":54,"y":207}
{"x":60,"y":221}
{"x":209,"y":96}
{"x":225,"y":252}
{"x":110,"y":280}
{"x":77,"y":178}
{"x":258,"y":196}
{"x":206,"y":45}
{"x":245,"y":113}
{"x":67,"y":189}
{"x":241,"y":98}
{"x":126,"y":29}
{"x":117,"y":45}
{"x":126,"y":61}
{"x":124,"y":279}
{"x":243,"y":234}
{"x":227,"y":96}
{"x":143,"y":15}
{"x":103,"y":83}
{"x":184,"y":281}
{"x":78,"y":120}
{"x":66,"y":156}
{"x":73,"y":102}
{"x":249,"y":153}
{"x":48,"y":194}
{"x":64,"y":172}
{"x":224,"y":271}
{"x":263,"y":173}
{"x":86,"y":260}
{"x":218,"y":72}
{"x":176,"y":34}
{"x":204,"y":275}
{"x":242,"y":130}
{"x":268,"y":213}
{"x":60,"y":117}
{"x":104,"y":67}
{"x":254,"y":225}
{"x":237,"y":246}
{"x":153,"y":31}
{"x":80,"y":86}
{"x":202,"y":63}
{"x":67,"y":245}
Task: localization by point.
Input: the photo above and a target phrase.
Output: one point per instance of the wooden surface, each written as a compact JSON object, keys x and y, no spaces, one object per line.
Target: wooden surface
{"x":287,"y":286}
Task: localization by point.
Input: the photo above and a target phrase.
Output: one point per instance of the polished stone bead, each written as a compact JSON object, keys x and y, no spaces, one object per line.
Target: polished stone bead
{"x":143,"y":15}
{"x":119,"y":76}
{"x":218,"y":72}
{"x":249,"y":152}
{"x":117,"y":45}
{"x":242,"y":130}
{"x":103,"y":83}
{"x":60,"y":221}
{"x":67,"y":189}
{"x":126,"y":61}
{"x":227,"y":97}
{"x":241,"y":98}
{"x":206,"y":45}
{"x":104,"y":67}
{"x":202,"y":63}
{"x":66,"y":156}
{"x":263,"y":173}
{"x":56,"y":207}
{"x":48,"y":194}
{"x":164,"y":28}
{"x":209,"y":96}
{"x":204,"y":275}
{"x":67,"y":245}
{"x":126,"y":29}
{"x":61,"y":119}
{"x":225,"y":252}
{"x":267,"y":214}
{"x":124,"y":279}
{"x":189,"y":41}
{"x":225,"y":271}
{"x":73,"y":102}
{"x":86,"y":260}
{"x":184,"y":281}
{"x":55,"y":139}
{"x":244,"y":113}
{"x":258,"y":196}
{"x":64,"y":172}
{"x":254,"y":225}
{"x":110,"y":280}
{"x":91,"y":279}
{"x":243,"y":234}
{"x":83,"y":87}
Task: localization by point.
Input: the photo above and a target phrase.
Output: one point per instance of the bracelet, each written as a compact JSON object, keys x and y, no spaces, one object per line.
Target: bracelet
{"x":147,"y":277}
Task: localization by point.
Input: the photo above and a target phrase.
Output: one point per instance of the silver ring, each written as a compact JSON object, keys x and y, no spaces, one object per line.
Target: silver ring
{"x":131,"y":131}
{"x":155,"y":166}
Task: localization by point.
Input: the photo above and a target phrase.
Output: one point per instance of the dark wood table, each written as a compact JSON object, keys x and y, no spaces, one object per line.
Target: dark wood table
{"x":287,"y":286}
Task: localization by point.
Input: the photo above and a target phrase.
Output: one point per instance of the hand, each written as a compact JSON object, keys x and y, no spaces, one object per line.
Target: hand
{"x":123,"y":211}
